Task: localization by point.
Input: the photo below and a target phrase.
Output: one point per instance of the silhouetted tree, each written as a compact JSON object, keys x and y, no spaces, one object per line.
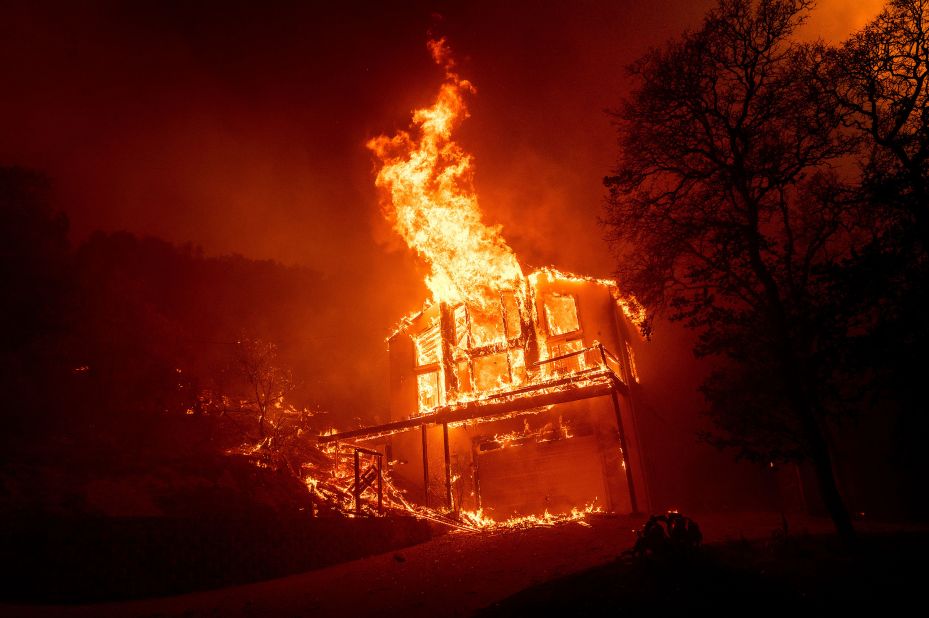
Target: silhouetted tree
{"x":37,"y":298}
{"x":112,"y":355}
{"x":269,"y":382}
{"x":879,"y":80}
{"x":724,"y":211}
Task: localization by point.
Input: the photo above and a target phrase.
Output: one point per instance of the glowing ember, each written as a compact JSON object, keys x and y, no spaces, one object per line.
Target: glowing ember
{"x":478,"y":520}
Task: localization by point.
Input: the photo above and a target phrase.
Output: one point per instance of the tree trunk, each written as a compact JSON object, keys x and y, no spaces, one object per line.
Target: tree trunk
{"x":818,"y":447}
{"x":825,"y":477}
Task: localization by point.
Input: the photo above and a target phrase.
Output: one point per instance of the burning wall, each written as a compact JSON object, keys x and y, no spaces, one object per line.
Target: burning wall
{"x":541,"y":433}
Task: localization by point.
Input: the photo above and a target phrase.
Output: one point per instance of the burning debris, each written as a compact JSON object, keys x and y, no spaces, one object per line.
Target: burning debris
{"x":337,"y":480}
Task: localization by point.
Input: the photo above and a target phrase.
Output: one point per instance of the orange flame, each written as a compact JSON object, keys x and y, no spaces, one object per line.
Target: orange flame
{"x":427,"y":179}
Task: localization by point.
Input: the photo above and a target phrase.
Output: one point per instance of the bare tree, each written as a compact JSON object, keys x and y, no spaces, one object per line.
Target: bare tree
{"x":269,"y":382}
{"x":724,"y":212}
{"x":880,"y":78}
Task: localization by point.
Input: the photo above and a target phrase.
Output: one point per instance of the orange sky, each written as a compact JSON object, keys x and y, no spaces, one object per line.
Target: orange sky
{"x":833,"y":20}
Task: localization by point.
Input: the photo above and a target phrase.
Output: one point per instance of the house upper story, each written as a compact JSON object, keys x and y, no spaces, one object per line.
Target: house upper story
{"x":552,"y":330}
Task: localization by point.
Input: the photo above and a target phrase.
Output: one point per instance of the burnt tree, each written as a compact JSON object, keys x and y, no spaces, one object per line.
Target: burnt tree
{"x":269,"y":383}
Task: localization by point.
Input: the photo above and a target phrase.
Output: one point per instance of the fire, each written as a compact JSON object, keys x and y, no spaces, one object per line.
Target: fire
{"x":480,"y":521}
{"x":427,"y":179}
{"x":428,"y":195}
{"x":630,"y":306}
{"x":329,"y":481}
{"x":493,"y":342}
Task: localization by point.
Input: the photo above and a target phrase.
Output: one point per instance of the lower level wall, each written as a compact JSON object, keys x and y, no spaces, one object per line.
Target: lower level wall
{"x":563,"y":457}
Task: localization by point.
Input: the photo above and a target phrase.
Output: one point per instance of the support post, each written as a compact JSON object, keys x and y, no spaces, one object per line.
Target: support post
{"x":425,"y":468}
{"x":447,"y":328}
{"x":622,"y":445}
{"x":338,"y":457}
{"x":357,"y":490}
{"x":380,"y":484}
{"x":527,"y":325}
{"x":448,"y":469}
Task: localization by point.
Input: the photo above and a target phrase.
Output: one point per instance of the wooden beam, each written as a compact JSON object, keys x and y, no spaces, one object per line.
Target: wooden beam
{"x":447,"y":331}
{"x":448,"y":469}
{"x":366,"y":451}
{"x":380,"y":484}
{"x":600,"y":384}
{"x":357,"y":491}
{"x":425,"y":467}
{"x":627,"y":460}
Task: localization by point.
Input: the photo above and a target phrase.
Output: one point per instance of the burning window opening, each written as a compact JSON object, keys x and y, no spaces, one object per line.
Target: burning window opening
{"x":561,"y":314}
{"x":491,"y":349}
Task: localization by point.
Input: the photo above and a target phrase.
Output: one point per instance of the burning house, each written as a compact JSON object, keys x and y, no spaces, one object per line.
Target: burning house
{"x":521,"y":406}
{"x":511,"y":392}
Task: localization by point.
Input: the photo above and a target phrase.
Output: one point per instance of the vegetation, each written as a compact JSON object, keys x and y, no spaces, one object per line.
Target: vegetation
{"x":126,"y":353}
{"x":770,"y":194}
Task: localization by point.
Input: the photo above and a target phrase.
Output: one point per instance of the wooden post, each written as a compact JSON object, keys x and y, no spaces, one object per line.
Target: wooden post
{"x":476,"y":473}
{"x":357,"y":491}
{"x":447,"y":329}
{"x":338,"y":458}
{"x":425,"y":468}
{"x":448,"y":469}
{"x":622,"y":445}
{"x":527,"y":325}
{"x":380,"y":484}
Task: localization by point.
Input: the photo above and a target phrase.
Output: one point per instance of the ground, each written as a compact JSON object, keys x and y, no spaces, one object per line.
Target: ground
{"x":455,"y":574}
{"x":808,"y":574}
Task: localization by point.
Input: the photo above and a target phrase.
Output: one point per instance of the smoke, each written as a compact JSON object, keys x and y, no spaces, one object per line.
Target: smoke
{"x":242,"y":128}
{"x":834,"y":20}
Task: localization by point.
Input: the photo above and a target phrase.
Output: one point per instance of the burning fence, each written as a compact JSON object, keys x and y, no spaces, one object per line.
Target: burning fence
{"x":510,"y":390}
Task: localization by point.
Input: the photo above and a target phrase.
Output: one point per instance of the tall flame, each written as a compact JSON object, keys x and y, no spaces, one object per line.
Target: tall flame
{"x":427,"y":180}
